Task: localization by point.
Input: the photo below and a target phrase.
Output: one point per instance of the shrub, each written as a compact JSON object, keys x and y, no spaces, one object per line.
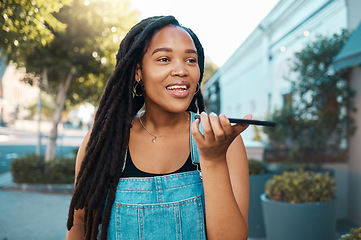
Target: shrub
{"x":301,"y":187}
{"x":28,"y":169}
{"x":355,"y":234}
{"x":34,"y":169}
{"x":60,"y":171}
{"x":256,"y":167}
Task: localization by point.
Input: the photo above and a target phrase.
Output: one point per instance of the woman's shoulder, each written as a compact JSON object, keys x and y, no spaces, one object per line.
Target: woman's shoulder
{"x":81,"y":151}
{"x":86,"y":139}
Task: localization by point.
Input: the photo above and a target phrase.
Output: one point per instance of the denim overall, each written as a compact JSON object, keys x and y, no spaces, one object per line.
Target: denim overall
{"x":161,"y":207}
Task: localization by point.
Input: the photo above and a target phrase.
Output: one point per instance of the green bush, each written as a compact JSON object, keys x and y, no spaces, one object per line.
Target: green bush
{"x":34,"y":169}
{"x":60,"y":171}
{"x":301,"y":187}
{"x":355,"y":234}
{"x":256,"y":167}
{"x":28,"y":169}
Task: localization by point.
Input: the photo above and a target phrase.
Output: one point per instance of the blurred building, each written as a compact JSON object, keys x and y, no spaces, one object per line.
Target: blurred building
{"x":350,"y":57}
{"x":15,"y":95}
{"x":253,"y":79}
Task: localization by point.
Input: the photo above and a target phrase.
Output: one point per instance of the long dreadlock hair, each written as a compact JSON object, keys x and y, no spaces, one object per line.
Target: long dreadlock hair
{"x":102,"y":165}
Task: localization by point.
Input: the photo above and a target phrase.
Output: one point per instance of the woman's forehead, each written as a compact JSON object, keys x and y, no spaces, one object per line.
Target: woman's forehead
{"x":171,"y":36}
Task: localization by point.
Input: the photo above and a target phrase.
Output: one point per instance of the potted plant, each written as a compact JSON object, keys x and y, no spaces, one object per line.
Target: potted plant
{"x":258,"y":176}
{"x":299,"y":205}
{"x":355,"y":234}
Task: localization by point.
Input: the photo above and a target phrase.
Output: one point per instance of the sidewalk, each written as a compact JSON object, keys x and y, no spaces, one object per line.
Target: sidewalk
{"x":31,"y":215}
{"x":39,"y":212}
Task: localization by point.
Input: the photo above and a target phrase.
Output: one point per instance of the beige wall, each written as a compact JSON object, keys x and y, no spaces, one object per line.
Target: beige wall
{"x":354,"y":186}
{"x":355,"y":153}
{"x":16,"y":93}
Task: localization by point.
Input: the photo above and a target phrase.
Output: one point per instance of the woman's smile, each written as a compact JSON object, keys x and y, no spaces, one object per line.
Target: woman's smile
{"x":179,"y":90}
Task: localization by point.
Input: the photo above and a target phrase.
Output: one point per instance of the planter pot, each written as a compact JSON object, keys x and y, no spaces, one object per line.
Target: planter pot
{"x":299,"y":221}
{"x":255,"y":216}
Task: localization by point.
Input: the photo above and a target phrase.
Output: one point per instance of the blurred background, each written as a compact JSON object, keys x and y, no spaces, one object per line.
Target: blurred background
{"x":295,"y":62}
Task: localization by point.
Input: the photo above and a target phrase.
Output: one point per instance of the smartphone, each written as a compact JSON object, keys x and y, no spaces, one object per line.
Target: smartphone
{"x":249,"y":121}
{"x":253,"y":122}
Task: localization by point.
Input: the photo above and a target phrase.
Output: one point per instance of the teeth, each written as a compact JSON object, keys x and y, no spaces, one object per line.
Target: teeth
{"x":182,"y":87}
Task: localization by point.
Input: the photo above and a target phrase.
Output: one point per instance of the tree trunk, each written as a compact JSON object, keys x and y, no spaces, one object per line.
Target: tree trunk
{"x":42,"y":82}
{"x":50,"y":153}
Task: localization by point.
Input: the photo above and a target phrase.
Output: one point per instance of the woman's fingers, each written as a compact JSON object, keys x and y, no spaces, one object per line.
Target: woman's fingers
{"x":207,"y":127}
{"x":217,"y":128}
{"x":218,"y":134}
{"x":198,"y":136}
{"x":226,"y":125}
{"x":248,"y":116}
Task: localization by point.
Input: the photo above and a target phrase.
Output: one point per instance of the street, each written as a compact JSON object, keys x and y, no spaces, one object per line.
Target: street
{"x":15,"y":143}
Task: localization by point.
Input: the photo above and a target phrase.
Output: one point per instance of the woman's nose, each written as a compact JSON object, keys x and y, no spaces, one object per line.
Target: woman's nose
{"x":179,"y":70}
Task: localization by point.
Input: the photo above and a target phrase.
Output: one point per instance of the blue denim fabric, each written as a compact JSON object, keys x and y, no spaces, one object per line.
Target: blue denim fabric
{"x":161,"y":207}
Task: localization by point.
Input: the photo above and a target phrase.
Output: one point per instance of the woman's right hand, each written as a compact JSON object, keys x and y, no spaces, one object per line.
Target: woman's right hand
{"x":218,"y":134}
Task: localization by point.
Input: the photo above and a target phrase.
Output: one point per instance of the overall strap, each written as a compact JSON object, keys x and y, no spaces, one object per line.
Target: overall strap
{"x":194,"y":148}
{"x":125,"y":160}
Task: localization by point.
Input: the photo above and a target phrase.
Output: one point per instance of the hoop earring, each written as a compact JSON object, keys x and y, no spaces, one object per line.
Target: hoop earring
{"x":138,"y":88}
{"x":197,"y":88}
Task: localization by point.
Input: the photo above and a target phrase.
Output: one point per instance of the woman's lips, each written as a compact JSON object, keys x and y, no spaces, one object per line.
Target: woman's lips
{"x":178,"y":90}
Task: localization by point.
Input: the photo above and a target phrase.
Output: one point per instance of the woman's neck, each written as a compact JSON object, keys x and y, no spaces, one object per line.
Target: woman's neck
{"x":161,"y":122}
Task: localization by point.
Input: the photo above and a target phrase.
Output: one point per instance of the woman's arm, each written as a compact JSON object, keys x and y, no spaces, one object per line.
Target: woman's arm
{"x":77,"y":231}
{"x":224,"y":167}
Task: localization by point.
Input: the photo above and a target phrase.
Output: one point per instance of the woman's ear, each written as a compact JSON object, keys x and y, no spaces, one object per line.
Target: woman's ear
{"x":138,"y":73}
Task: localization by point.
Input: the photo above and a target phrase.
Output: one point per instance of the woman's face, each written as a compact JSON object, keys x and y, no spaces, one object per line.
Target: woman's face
{"x":170,"y":70}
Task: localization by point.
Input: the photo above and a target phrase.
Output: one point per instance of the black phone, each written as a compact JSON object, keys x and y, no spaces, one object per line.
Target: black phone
{"x":253,"y":122}
{"x":249,"y":121}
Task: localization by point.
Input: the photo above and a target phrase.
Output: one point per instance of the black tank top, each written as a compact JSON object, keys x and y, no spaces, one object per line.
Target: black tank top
{"x":131,"y":170}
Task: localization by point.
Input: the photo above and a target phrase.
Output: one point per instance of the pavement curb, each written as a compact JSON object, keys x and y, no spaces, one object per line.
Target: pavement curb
{"x":42,"y":188}
{"x":6,"y":183}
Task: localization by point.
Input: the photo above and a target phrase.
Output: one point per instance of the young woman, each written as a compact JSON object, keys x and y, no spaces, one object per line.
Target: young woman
{"x":162,"y":173}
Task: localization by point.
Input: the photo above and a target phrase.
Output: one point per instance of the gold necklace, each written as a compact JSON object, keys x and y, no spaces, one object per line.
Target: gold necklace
{"x":154,"y":136}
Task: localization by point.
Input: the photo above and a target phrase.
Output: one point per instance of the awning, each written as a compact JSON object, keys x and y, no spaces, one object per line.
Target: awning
{"x":350,"y":54}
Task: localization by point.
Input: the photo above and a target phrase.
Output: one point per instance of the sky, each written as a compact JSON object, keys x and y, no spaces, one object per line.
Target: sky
{"x":221,"y":25}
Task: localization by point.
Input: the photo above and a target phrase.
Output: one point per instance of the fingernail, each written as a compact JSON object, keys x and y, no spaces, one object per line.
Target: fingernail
{"x":222,"y":116}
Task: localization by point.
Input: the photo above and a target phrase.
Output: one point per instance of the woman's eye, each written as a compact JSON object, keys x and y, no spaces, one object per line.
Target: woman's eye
{"x":192,"y":60}
{"x":163,"y":59}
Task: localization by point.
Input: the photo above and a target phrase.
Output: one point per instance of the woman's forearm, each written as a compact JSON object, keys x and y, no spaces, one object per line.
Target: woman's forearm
{"x":224,"y":218}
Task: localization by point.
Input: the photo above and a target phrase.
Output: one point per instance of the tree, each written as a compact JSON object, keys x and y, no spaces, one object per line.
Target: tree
{"x":209,"y":69}
{"x":318,"y":120}
{"x":25,"y":24}
{"x":74,"y":66}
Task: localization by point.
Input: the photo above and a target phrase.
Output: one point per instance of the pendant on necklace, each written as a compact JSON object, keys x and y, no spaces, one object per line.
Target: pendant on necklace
{"x":153,"y":140}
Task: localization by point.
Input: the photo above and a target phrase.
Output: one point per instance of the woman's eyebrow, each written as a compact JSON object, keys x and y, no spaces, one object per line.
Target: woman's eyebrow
{"x":162,"y":50}
{"x":191,"y":51}
{"x":165,"y":49}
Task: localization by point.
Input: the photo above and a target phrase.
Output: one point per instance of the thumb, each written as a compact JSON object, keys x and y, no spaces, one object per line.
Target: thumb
{"x":239,"y":127}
